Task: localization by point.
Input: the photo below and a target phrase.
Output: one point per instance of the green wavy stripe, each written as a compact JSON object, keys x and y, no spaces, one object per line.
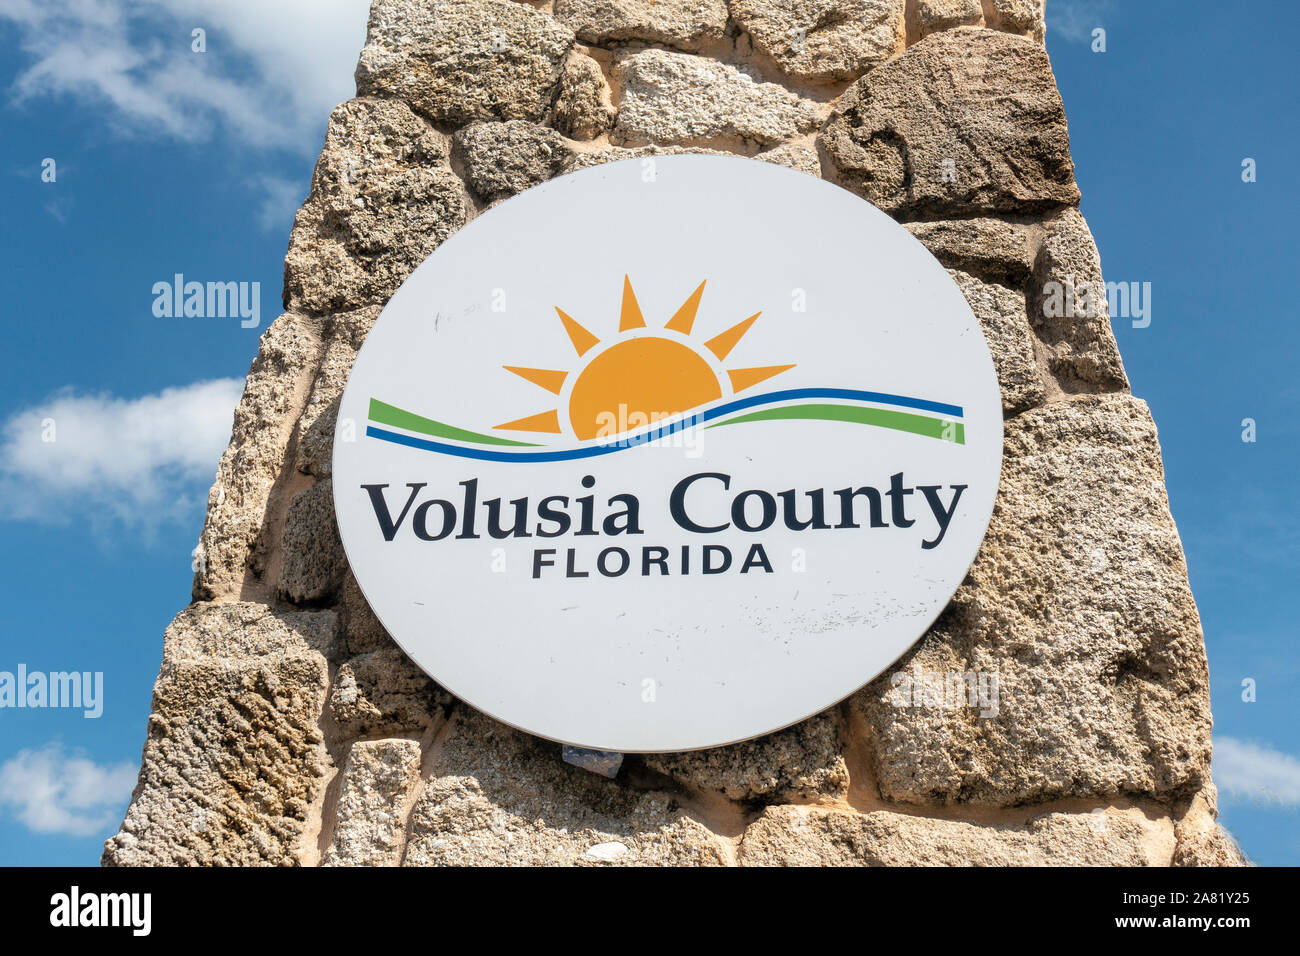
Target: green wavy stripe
{"x":386,"y":414}
{"x":882,"y":417}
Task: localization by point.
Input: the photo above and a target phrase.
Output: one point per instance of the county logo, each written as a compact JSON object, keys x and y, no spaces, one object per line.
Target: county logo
{"x":816,"y":484}
{"x":646,"y":385}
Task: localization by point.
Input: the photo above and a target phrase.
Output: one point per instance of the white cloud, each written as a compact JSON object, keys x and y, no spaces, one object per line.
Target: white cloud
{"x":51,"y":791}
{"x":1076,"y":19}
{"x":1254,"y":772}
{"x":141,"y":461}
{"x":272,"y":71}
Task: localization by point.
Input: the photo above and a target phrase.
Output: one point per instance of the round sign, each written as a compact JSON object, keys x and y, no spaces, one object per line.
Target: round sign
{"x":667,"y":453}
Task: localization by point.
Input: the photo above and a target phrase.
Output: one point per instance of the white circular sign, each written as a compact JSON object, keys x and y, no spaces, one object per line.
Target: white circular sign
{"x":667,"y":454}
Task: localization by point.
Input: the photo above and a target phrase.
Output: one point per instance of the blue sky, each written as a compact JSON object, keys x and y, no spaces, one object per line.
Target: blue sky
{"x":168,"y":161}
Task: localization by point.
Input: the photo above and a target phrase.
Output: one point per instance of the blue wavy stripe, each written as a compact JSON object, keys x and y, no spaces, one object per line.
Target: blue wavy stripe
{"x":662,"y":431}
{"x":852,"y":394}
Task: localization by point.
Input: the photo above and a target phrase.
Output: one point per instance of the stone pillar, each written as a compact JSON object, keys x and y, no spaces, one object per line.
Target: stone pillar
{"x":287,"y":728}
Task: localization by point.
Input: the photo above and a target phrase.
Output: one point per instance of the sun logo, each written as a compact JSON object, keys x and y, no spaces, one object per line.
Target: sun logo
{"x":644,"y":377}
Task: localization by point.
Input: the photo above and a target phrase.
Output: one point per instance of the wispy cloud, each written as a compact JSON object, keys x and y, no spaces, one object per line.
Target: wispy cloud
{"x":271,"y":72}
{"x":1076,"y":19}
{"x":280,"y":200}
{"x":1254,"y":772}
{"x":52,"y":791}
{"x":60,"y":208}
{"x":141,"y":461}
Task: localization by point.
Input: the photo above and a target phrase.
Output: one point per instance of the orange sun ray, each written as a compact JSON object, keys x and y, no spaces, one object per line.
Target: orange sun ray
{"x":548,"y":378}
{"x":630,"y":317}
{"x":742,"y":378}
{"x":541,"y":422}
{"x":685,"y":317}
{"x":582,"y":339}
{"x":722,"y":344}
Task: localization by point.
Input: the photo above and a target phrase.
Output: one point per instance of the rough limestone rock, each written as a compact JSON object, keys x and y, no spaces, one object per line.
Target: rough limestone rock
{"x":935,"y":15}
{"x":501,"y":159}
{"x":686,"y":24}
{"x":234,"y":541}
{"x":1001,"y":314}
{"x":805,"y":762}
{"x":798,"y":156}
{"x":1206,"y":843}
{"x":583,"y":108}
{"x":456,"y":61}
{"x":1078,"y":601}
{"x":234,"y":763}
{"x":362,"y":631}
{"x":823,"y":39}
{"x":379,"y":779}
{"x":1213,"y":846}
{"x":676,"y":98}
{"x":503,"y":798}
{"x":1057,"y":712}
{"x":382,"y":198}
{"x":314,"y":435}
{"x":312,"y":561}
{"x":645,"y":153}
{"x":808,"y":836}
{"x":993,"y":249}
{"x":967,"y":121}
{"x":1071,"y":311}
{"x":1018,"y":16}
{"x":1199,"y":840}
{"x":382,"y":692}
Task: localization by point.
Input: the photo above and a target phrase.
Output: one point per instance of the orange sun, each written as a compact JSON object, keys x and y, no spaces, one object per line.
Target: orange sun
{"x":643,"y":378}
